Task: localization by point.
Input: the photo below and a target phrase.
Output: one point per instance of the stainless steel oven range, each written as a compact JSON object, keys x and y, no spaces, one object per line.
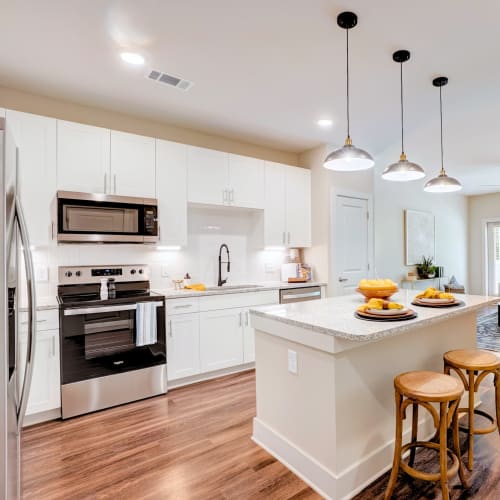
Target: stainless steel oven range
{"x":113,"y":344}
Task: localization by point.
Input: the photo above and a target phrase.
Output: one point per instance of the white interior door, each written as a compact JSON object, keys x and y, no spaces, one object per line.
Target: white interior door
{"x":493,"y":240}
{"x":351,"y":246}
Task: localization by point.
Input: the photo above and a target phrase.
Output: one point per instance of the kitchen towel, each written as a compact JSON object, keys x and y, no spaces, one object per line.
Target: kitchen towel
{"x":145,"y":323}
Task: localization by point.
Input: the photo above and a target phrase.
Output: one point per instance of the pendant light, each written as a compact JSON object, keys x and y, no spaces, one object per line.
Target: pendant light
{"x":442,"y":183}
{"x":348,"y":158}
{"x":403,"y":170}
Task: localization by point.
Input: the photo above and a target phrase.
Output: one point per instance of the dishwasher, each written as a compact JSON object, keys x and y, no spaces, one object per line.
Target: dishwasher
{"x":302,"y":294}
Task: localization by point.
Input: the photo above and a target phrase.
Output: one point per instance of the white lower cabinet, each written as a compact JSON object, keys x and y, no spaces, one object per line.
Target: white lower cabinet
{"x":221,"y":339}
{"x":45,"y":392}
{"x":183,"y":345}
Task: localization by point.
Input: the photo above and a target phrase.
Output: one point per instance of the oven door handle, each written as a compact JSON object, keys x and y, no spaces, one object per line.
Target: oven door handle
{"x":103,"y":309}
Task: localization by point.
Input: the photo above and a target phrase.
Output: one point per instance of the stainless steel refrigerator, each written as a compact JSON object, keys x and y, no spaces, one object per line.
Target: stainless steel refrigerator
{"x":14,"y":384}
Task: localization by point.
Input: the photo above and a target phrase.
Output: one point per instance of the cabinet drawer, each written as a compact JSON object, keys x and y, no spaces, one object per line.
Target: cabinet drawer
{"x":231,"y":300}
{"x":45,"y":320}
{"x":182,"y":306}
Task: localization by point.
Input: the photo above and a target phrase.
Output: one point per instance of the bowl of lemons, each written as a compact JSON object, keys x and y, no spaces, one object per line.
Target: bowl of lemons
{"x":377,"y":288}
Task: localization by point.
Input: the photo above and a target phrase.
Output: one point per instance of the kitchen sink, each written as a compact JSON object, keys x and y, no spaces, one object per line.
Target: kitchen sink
{"x":232,"y":287}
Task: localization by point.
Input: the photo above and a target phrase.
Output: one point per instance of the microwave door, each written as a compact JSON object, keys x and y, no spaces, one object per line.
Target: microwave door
{"x":82,"y":219}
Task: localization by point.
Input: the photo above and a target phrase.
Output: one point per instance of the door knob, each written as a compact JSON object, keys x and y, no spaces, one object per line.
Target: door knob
{"x":343,"y":279}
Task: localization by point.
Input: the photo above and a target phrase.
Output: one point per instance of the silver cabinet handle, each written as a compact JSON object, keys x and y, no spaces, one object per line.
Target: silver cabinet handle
{"x":231,"y":196}
{"x":105,"y":182}
{"x":114,"y":182}
{"x":343,"y":279}
{"x":183,"y":306}
{"x":224,"y":195}
{"x":288,"y":237}
{"x":241,"y":321}
{"x":30,"y":279}
{"x":38,"y":321}
{"x":170,"y":329}
{"x":247,"y":314}
{"x":284,"y":241}
{"x":53,"y":346}
{"x":52,"y":230}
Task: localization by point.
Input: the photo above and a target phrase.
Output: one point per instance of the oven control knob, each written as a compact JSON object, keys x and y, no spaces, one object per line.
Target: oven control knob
{"x":132,"y":271}
{"x":78,"y":273}
{"x":68,"y":274}
{"x":140,"y":271}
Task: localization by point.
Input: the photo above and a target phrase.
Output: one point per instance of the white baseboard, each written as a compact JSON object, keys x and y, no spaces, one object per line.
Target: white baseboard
{"x":343,"y":485}
{"x":44,"y":416}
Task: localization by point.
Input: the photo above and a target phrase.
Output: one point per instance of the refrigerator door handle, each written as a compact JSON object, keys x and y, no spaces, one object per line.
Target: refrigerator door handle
{"x":30,"y":279}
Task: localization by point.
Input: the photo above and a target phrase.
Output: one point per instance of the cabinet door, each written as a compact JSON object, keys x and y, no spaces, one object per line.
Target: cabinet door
{"x":207,"y":176}
{"x":275,"y":207}
{"x":183,"y":346}
{"x":171,"y":186}
{"x":221,"y":339}
{"x":248,"y":339}
{"x":298,"y":207}
{"x":82,"y":157}
{"x":36,"y":139}
{"x":45,"y":385}
{"x":133,"y":168}
{"x":246,"y":180}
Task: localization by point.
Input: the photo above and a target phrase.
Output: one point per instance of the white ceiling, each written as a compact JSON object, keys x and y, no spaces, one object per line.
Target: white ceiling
{"x":266,"y":70}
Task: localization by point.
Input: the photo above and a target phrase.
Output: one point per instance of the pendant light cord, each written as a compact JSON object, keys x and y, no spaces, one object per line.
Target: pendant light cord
{"x":441,"y":118}
{"x":402,"y":111}
{"x":347,"y":81}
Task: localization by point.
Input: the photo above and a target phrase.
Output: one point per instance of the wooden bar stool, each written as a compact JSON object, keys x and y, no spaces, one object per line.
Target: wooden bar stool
{"x":477,"y":364}
{"x":422,"y":388}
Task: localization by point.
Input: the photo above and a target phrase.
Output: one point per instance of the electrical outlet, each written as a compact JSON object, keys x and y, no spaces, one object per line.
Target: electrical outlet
{"x":292,"y":362}
{"x":164,"y":271}
{"x":269,"y":268}
{"x":41,"y":273}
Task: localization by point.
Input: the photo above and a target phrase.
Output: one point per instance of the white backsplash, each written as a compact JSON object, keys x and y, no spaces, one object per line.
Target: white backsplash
{"x":207,"y":230}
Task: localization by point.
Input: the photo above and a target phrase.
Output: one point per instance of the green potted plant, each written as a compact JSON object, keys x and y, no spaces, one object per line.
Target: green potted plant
{"x":426,"y":269}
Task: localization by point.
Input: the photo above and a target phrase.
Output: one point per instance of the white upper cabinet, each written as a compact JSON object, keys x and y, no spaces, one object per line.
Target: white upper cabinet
{"x":275,"y":207}
{"x":132,"y":165}
{"x":287,"y":214}
{"x":83,"y":157}
{"x":171,"y":187}
{"x":298,"y":207}
{"x":207,"y":176}
{"x":35,"y":137}
{"x":246,"y":181}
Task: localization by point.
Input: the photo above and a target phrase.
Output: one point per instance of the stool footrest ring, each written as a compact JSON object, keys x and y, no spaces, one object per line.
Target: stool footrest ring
{"x":483,"y":430}
{"x":425,"y":475}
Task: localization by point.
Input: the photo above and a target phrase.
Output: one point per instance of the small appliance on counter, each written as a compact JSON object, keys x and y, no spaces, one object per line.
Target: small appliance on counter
{"x":294,"y":272}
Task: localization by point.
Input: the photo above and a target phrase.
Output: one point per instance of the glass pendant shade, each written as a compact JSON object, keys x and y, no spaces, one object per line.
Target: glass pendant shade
{"x":403,"y":171}
{"x":442,"y":184}
{"x":348,"y":158}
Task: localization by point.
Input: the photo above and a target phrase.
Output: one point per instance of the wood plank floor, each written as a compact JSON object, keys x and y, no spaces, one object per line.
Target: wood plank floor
{"x":194,"y":443}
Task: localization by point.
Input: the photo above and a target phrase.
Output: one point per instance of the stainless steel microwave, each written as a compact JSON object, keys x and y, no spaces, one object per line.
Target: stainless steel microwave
{"x":102,"y":218}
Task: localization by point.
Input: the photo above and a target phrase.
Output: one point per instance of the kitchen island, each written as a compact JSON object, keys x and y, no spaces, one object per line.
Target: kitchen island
{"x":324,"y":383}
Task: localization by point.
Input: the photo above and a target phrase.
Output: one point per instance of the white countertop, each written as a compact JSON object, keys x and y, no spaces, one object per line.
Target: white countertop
{"x":171,"y":293}
{"x":335,"y":316}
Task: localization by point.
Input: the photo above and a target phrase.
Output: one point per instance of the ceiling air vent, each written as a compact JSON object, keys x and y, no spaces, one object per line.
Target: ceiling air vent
{"x":170,"y":80}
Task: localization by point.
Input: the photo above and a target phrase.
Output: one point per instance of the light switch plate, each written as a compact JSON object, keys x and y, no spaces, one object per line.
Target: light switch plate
{"x":292,"y":362}
{"x":269,"y":268}
{"x":41,"y":273}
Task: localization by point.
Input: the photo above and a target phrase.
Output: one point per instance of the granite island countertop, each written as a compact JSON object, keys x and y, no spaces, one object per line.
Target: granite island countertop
{"x":171,"y":293}
{"x":335,"y":315}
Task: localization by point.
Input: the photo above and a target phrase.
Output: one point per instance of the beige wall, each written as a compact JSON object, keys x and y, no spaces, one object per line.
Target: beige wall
{"x":30,"y":103}
{"x":482,"y":207}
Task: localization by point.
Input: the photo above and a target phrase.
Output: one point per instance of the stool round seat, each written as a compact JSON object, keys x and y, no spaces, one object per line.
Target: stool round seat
{"x":472,"y":359}
{"x":429,"y":386}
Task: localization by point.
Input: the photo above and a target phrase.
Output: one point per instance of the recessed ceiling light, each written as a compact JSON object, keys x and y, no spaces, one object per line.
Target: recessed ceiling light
{"x":325,"y":122}
{"x":132,"y":58}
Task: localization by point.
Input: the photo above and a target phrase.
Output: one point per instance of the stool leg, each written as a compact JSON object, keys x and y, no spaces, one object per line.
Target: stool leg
{"x":497,"y":397}
{"x":414,"y":432}
{"x":443,"y":447}
{"x":397,"y":448}
{"x":470,"y":438}
{"x":456,"y":445}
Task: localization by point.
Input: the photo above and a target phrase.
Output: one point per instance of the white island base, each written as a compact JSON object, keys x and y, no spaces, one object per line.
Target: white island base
{"x":332,"y":423}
